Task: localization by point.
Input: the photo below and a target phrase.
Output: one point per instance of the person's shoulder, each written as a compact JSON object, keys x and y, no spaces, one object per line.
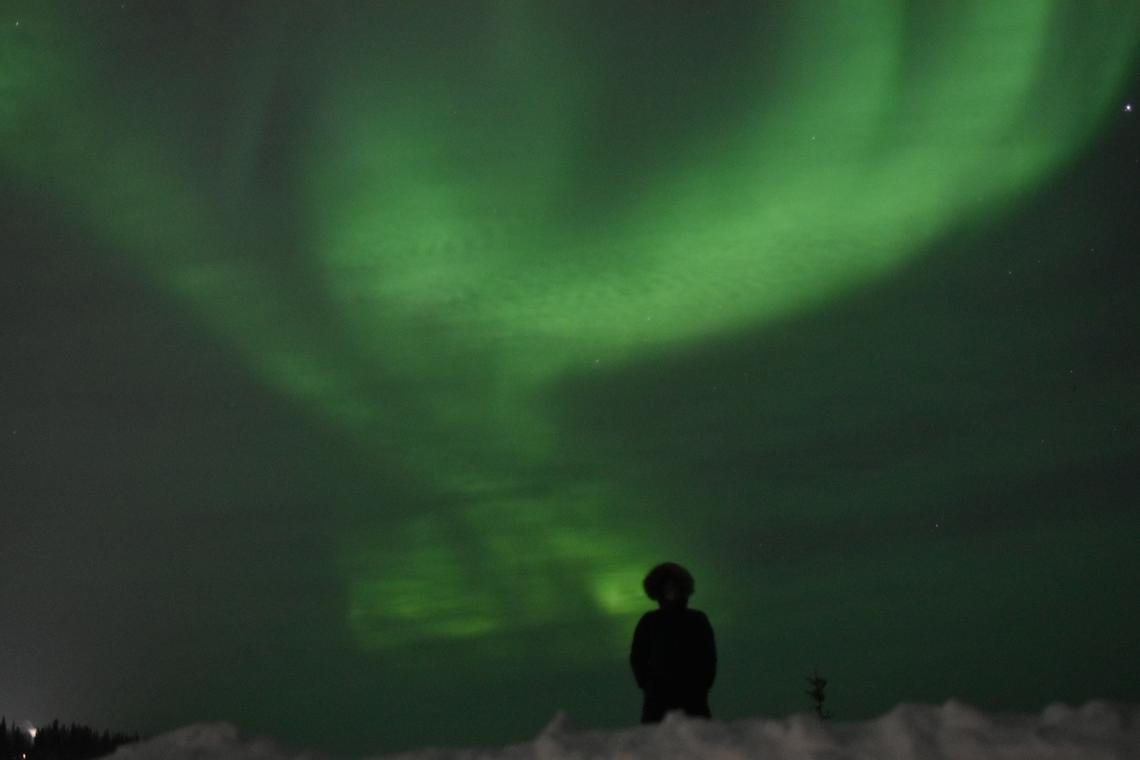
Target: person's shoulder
{"x":697,"y":616}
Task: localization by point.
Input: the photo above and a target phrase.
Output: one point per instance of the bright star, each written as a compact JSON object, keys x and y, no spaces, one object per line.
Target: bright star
{"x":1127,"y":108}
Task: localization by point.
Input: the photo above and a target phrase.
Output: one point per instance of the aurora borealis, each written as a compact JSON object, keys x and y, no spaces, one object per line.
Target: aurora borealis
{"x":363,"y":356}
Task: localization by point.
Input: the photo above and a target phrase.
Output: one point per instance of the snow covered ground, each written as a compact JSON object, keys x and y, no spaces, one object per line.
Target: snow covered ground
{"x":1098,"y":730}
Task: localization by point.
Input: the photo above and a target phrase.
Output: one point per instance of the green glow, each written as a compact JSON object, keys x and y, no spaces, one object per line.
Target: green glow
{"x":460,"y":234}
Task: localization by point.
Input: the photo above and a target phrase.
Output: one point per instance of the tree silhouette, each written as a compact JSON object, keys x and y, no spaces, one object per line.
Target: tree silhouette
{"x":58,"y":742}
{"x":818,"y":685}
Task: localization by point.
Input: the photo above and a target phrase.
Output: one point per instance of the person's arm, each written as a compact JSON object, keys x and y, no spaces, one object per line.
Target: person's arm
{"x":638,"y":654}
{"x":708,"y":654}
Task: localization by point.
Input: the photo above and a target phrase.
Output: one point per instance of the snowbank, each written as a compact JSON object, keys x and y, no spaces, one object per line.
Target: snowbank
{"x":1099,"y":730}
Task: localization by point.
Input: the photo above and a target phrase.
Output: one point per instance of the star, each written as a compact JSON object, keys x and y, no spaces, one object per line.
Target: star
{"x":1127,"y":106}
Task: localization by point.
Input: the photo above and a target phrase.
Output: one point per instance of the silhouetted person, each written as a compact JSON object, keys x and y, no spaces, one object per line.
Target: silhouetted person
{"x":674,"y":652}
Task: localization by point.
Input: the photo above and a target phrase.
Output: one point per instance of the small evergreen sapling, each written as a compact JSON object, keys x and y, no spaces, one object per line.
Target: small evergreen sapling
{"x":818,"y":685}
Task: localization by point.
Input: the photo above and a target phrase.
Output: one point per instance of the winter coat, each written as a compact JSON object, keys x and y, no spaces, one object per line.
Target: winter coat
{"x":674,"y":661}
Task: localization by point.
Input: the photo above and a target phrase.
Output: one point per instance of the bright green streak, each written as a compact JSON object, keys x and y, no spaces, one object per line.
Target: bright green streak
{"x":460,"y":259}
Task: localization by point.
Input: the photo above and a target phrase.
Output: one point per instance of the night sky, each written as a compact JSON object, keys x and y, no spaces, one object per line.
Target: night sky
{"x":358,"y":359}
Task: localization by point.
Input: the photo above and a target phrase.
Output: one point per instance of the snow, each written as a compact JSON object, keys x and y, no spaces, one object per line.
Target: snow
{"x":1096,"y":731}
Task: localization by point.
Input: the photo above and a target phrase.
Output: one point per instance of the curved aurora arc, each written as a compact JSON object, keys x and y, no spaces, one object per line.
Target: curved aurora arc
{"x":444,"y":219}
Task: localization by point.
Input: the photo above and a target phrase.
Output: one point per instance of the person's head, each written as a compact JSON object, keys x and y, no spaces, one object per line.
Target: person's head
{"x":669,"y":584}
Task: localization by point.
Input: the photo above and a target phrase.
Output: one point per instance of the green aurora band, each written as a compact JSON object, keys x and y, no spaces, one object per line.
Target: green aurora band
{"x":472,"y":204}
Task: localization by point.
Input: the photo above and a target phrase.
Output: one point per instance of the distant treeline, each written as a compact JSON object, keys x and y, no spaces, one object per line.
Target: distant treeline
{"x":58,"y":742}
